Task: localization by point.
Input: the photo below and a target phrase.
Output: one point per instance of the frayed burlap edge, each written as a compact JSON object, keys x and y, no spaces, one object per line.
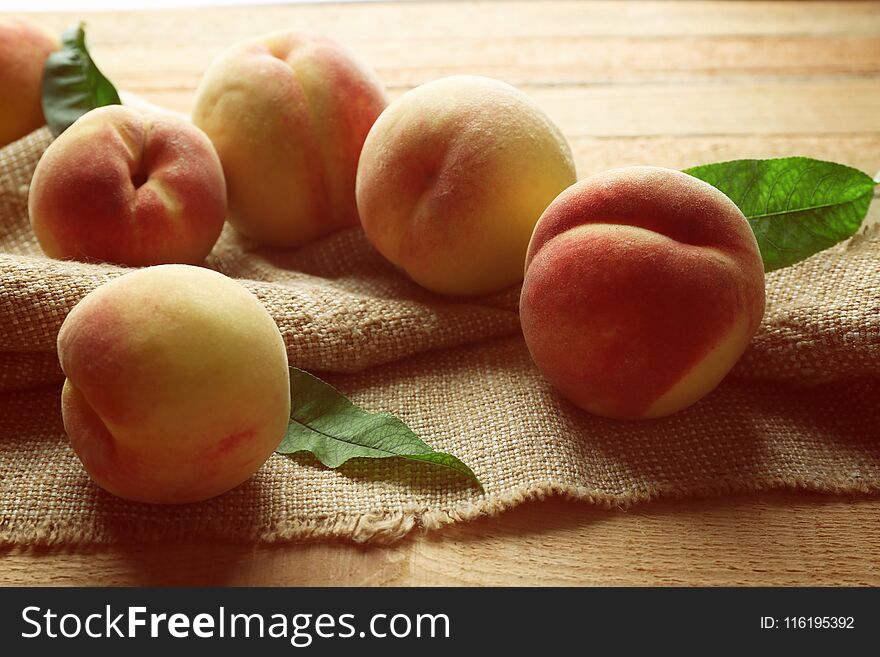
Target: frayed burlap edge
{"x":383,"y":528}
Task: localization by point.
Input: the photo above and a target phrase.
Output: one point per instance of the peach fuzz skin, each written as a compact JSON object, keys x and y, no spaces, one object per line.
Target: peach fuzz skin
{"x":288,"y":114}
{"x":643,"y":287}
{"x":177,"y":384}
{"x":453,"y":177}
{"x":24,"y":47}
{"x":128,"y":187}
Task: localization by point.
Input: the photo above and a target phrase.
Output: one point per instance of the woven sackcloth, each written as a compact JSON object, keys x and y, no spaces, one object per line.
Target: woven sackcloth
{"x":800,"y":410}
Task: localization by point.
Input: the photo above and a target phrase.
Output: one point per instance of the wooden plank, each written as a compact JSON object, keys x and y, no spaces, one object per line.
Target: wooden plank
{"x":736,"y":108}
{"x":771,"y":539}
{"x":594,"y":154}
{"x":534,"y":61}
{"x":205,"y":563}
{"x":486,"y":20}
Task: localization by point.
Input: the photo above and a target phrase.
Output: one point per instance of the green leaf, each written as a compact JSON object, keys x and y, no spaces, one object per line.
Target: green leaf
{"x":796,"y":206}
{"x":72,"y":83}
{"x":324,"y":422}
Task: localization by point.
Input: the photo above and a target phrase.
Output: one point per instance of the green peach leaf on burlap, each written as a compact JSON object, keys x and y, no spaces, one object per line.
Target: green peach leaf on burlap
{"x":324,"y":422}
{"x":72,"y":82}
{"x":797,"y":206}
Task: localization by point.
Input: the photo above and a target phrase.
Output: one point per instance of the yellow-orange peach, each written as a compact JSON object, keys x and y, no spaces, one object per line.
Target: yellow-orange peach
{"x":642,"y":288}
{"x":177,"y":384}
{"x":129,"y":187}
{"x":288,"y":114}
{"x":24,"y":47}
{"x":453,"y":176}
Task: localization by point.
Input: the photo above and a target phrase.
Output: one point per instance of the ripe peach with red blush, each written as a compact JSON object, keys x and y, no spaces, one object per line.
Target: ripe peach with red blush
{"x":128,"y":187}
{"x":643,"y":287}
{"x":24,"y":47}
{"x":288,"y":114}
{"x":177,"y":384}
{"x":453,"y":177}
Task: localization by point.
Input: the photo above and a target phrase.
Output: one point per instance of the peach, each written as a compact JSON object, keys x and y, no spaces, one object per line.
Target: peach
{"x":24,"y":47}
{"x":453,"y":177}
{"x":128,"y":187}
{"x":642,"y":288}
{"x":177,"y":384}
{"x":288,"y":114}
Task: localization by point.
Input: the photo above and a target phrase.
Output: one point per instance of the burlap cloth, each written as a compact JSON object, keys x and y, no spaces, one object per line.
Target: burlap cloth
{"x":802,"y":408}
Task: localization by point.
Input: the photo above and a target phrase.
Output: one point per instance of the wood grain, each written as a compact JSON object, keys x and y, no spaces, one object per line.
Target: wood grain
{"x":679,"y":109}
{"x":414,"y":22}
{"x":667,"y":83}
{"x":769,"y":539}
{"x":528,"y":60}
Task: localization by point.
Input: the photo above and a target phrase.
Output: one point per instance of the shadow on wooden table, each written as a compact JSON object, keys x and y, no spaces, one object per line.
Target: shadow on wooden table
{"x":784,"y":537}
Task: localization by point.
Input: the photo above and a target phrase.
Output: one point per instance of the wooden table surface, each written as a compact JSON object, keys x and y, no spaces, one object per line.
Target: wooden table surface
{"x":667,"y":83}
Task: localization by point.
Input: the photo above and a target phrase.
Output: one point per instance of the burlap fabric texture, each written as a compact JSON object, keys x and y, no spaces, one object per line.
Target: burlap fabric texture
{"x":800,"y":410}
